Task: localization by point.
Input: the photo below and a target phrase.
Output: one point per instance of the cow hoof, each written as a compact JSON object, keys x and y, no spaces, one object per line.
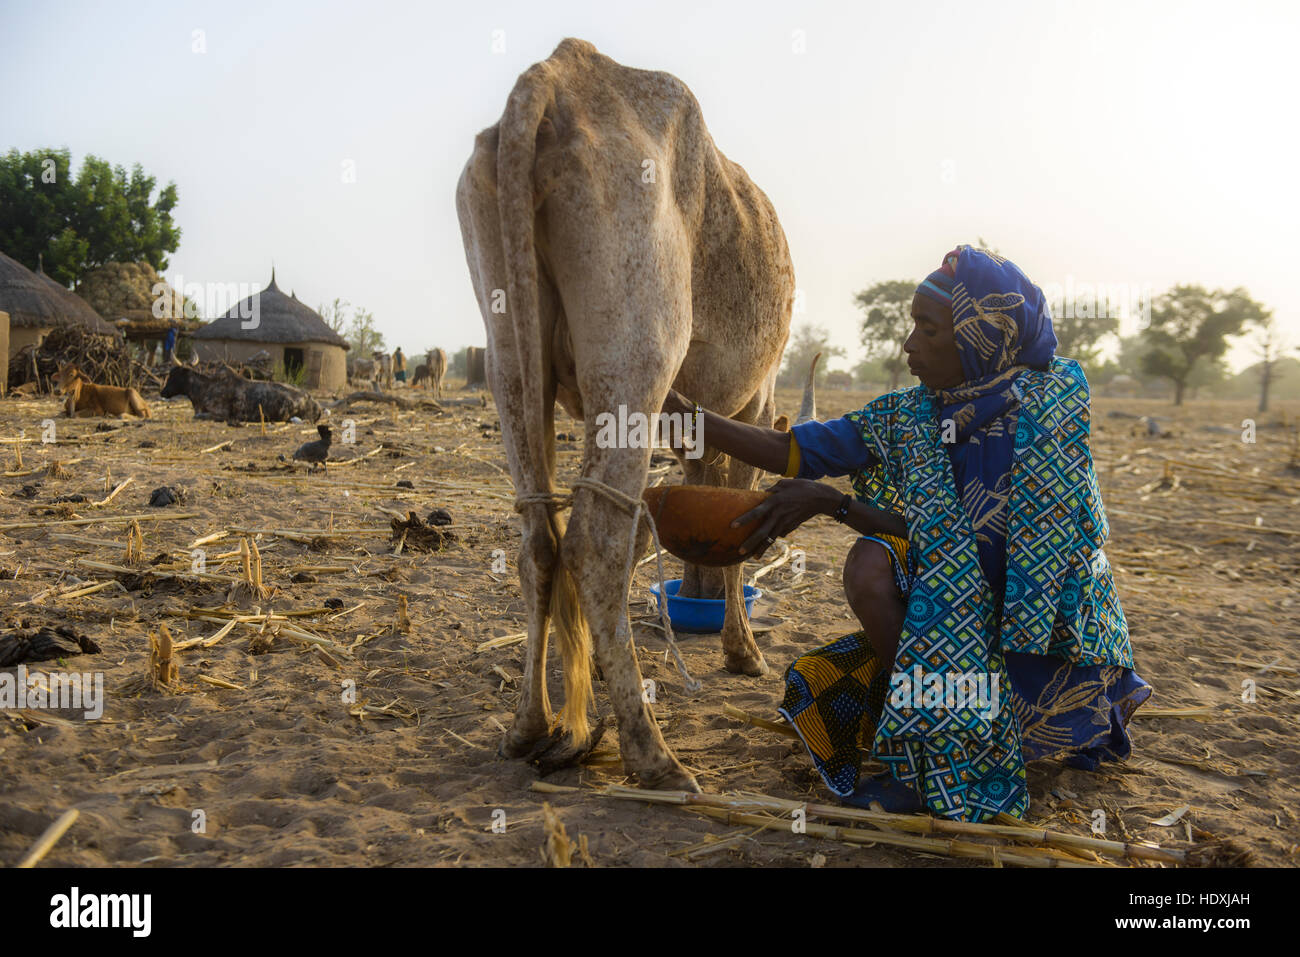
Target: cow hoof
{"x":675,"y":778}
{"x":518,"y":744}
{"x":558,"y":750}
{"x":752,"y":665}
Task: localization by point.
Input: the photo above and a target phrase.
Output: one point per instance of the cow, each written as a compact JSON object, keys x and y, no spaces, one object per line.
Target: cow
{"x":436,"y":366}
{"x":86,"y":399}
{"x":231,"y":398}
{"x":429,"y":373}
{"x":361,"y":370}
{"x":615,"y":254}
{"x":383,"y":376}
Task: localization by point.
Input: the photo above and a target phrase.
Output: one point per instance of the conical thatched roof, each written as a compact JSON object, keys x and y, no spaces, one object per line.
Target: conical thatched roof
{"x":34,"y":300}
{"x":126,"y":291}
{"x":281,"y":318}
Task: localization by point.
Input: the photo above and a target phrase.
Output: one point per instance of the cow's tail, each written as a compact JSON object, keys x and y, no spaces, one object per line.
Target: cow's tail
{"x":516,"y":154}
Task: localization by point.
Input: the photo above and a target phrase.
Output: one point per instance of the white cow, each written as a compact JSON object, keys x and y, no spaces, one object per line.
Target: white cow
{"x":630,"y":256}
{"x":383,"y":376}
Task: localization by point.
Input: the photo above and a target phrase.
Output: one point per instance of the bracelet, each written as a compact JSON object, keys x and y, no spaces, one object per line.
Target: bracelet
{"x":842,"y":512}
{"x":696,"y":414}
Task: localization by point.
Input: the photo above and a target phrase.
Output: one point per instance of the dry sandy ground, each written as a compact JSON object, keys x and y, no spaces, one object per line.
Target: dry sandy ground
{"x":286,"y":771}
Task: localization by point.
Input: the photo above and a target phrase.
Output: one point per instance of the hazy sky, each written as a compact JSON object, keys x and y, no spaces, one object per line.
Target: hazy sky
{"x":1120,"y":143}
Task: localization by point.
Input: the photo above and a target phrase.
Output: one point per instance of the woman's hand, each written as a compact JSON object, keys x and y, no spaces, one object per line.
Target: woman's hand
{"x":792,"y":502}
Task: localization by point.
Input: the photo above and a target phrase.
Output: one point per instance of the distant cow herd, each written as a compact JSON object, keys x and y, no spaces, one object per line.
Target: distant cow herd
{"x":225,"y":395}
{"x":379,"y":372}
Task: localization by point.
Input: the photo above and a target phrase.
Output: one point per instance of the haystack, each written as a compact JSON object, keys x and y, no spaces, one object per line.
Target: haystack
{"x":124,"y":294}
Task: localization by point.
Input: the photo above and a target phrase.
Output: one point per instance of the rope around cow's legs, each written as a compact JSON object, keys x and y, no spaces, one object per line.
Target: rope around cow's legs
{"x":638,"y":510}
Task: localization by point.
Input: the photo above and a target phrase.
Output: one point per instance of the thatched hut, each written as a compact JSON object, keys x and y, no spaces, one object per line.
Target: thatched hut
{"x":294,"y":333}
{"x":36,"y":304}
{"x":134,"y":298}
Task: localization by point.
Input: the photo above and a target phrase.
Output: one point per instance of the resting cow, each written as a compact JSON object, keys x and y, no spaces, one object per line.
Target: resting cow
{"x":86,"y":399}
{"x":630,"y":256}
{"x":227,"y":397}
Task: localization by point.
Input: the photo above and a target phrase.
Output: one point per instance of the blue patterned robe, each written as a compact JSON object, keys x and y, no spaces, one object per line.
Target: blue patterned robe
{"x":1058,"y":604}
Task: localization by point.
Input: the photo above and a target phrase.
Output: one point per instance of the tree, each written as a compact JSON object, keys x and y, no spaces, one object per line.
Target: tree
{"x":335,"y":314}
{"x":1269,"y":346}
{"x":870,"y":372}
{"x":1078,"y":335}
{"x":362,"y":335}
{"x":456,"y":364}
{"x":1191,"y":326}
{"x":888,"y":308}
{"x":79,"y":223}
{"x":807,"y":341}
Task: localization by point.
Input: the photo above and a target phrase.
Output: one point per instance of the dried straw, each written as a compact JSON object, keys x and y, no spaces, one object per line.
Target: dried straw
{"x":45,"y":843}
{"x":1213,"y":854}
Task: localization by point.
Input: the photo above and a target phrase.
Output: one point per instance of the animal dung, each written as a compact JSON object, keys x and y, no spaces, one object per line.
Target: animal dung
{"x":43,"y":644}
{"x":694,"y":521}
{"x":166,"y":495}
{"x":414,"y":535}
{"x":440,"y":516}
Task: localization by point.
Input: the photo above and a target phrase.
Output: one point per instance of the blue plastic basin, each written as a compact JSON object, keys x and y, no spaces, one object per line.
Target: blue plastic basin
{"x":699,"y":614}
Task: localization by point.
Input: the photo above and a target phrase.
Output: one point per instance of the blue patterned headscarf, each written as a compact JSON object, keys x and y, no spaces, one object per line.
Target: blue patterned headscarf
{"x":1002,"y":327}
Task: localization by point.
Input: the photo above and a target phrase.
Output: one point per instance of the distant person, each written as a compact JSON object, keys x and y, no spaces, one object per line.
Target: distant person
{"x":399,"y":365}
{"x":169,"y":344}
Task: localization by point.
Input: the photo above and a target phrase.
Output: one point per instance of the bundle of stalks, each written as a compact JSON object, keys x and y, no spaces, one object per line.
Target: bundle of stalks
{"x":55,"y":470}
{"x":558,"y":850}
{"x":250,"y":584}
{"x":134,"y":554}
{"x":163,"y":670}
{"x":1031,"y":846}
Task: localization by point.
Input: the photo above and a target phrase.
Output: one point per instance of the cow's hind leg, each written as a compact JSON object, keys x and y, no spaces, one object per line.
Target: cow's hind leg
{"x":595,"y":550}
{"x":537,"y":557}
